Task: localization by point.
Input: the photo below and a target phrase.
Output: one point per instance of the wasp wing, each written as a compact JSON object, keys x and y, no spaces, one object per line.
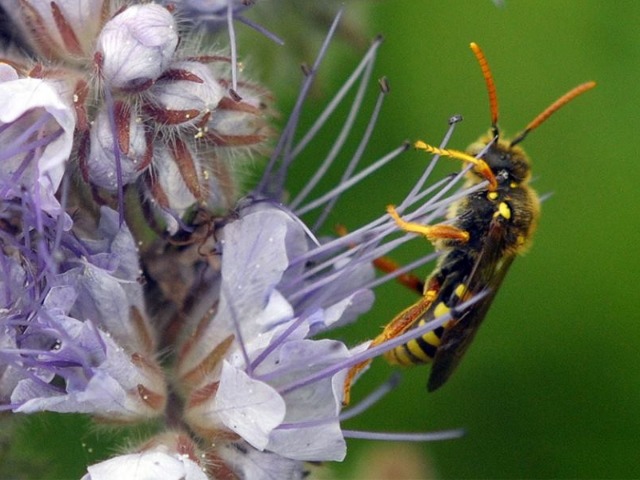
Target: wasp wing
{"x":487,"y":274}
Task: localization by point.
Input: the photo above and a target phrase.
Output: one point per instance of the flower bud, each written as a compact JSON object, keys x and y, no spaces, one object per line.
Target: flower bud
{"x":136,"y":46}
{"x":240,"y":123}
{"x":133,"y":143}
{"x":184,"y":93}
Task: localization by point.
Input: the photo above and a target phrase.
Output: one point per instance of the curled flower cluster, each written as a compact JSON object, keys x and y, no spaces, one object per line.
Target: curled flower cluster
{"x":152,"y":110}
{"x":211,"y":331}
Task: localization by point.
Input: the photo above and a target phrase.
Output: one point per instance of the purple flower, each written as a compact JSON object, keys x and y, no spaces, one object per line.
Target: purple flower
{"x":36,"y":133}
{"x":265,"y":354}
{"x":79,"y":339}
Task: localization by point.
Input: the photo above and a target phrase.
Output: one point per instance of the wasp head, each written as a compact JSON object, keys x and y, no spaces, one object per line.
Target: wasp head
{"x":508,"y":162}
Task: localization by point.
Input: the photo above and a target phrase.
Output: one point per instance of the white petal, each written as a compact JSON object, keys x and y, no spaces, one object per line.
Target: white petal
{"x":249,"y":407}
{"x":137,"y":45}
{"x":318,"y":403}
{"x":20,"y":96}
{"x":146,"y":466}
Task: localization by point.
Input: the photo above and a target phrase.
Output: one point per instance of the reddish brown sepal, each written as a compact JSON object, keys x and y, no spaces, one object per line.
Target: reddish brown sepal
{"x":69,"y":37}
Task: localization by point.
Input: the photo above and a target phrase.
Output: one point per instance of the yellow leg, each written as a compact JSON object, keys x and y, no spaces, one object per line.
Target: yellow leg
{"x":480,"y":165}
{"x":431,"y":232}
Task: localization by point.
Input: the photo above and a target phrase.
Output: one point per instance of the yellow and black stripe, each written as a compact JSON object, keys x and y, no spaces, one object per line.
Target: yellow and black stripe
{"x":423,"y":348}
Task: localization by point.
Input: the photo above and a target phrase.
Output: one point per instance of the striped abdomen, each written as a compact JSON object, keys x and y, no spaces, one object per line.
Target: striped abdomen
{"x":423,"y":349}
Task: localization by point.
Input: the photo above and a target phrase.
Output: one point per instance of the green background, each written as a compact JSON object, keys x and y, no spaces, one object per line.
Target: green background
{"x":550,"y":386}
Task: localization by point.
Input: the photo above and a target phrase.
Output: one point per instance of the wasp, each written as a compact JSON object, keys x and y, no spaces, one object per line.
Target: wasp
{"x":487,"y":229}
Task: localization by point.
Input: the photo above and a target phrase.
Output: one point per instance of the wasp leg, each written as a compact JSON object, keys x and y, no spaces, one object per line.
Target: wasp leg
{"x":400,"y":324}
{"x":409,"y":280}
{"x":430,"y":232}
{"x":387,"y":265}
{"x":479,"y":164}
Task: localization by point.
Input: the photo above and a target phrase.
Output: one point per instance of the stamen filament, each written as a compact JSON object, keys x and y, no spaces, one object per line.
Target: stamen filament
{"x":405,"y":437}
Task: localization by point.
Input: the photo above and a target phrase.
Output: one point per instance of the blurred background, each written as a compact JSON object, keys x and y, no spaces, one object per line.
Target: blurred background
{"x":551,"y":386}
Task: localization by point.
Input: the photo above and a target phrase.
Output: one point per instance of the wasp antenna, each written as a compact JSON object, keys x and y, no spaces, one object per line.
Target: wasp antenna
{"x":491,"y":86}
{"x":551,"y":109}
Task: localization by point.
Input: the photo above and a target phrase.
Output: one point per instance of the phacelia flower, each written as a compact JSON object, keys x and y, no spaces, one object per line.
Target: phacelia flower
{"x":218,"y":327}
{"x":36,"y":131}
{"x":76,"y":336}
